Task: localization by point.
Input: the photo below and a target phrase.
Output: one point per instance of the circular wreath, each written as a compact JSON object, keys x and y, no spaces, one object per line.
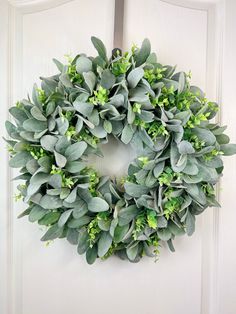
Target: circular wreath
{"x":142,"y":103}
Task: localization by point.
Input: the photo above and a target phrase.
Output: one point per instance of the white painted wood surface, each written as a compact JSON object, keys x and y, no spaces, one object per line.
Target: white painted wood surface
{"x":200,"y":277}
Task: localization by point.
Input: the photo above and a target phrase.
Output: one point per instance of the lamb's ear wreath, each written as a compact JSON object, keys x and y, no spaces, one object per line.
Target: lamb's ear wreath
{"x":142,"y":103}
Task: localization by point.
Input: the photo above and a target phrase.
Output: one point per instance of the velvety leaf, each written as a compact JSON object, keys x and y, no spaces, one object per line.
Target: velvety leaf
{"x":83,"y":64}
{"x":164,"y":234}
{"x":77,"y":223}
{"x":60,"y":159}
{"x":107,"y":79}
{"x":97,"y":204}
{"x":104,"y":243}
{"x":37,"y":114}
{"x":75,"y":166}
{"x":99,"y":46}
{"x":185,"y":147}
{"x":91,"y":255}
{"x":75,"y":151}
{"x":72,"y":236}
{"x":65,"y":80}
{"x":33,"y":125}
{"x":83,"y":242}
{"x":36,"y":213}
{"x":99,"y":131}
{"x":135,"y":190}
{"x":135,"y":76}
{"x":158,"y":169}
{"x":181,"y":82}
{"x":48,"y":142}
{"x":52,"y":233}
{"x":190,"y":223}
{"x":90,"y":80}
{"x":127,"y":214}
{"x":132,"y":251}
{"x":20,"y":159}
{"x":143,"y":53}
{"x":120,"y":232}
{"x":127,"y":134}
{"x":36,"y":181}
{"x":83,"y":107}
{"x":107,"y":126}
{"x":49,"y":219}
{"x":18,"y":114}
{"x":50,"y":202}
{"x":228,"y":149}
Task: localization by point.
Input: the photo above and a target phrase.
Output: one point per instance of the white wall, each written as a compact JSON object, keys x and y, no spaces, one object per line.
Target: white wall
{"x":200,"y":276}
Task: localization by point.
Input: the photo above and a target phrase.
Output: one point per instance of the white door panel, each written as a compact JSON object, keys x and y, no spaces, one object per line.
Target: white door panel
{"x":54,"y":279}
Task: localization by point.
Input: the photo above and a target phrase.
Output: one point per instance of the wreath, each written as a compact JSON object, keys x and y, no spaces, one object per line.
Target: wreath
{"x":142,"y":103}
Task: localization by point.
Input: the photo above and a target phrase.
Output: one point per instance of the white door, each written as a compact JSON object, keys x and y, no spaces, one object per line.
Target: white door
{"x":200,"y":278}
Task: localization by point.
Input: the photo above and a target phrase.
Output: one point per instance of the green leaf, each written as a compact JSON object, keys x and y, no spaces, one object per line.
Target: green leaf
{"x":62,"y":144}
{"x":64,"y":217}
{"x":90,"y":80}
{"x":127,"y":134}
{"x":99,"y":131}
{"x":157,"y":171}
{"x":36,"y":181}
{"x":228,"y":149}
{"x":143,"y":53}
{"x":91,"y":255}
{"x":65,"y":80}
{"x":36,"y":213}
{"x":107,"y":126}
{"x":62,"y":125}
{"x":75,"y":166}
{"x":49,"y":219}
{"x":182,"y":80}
{"x":120,"y":232}
{"x":164,"y":234}
{"x":37,"y":114}
{"x":48,"y":142}
{"x":33,"y":125}
{"x":127,"y":214}
{"x":58,"y":64}
{"x":55,"y":181}
{"x":60,"y":159}
{"x":205,"y":135}
{"x":75,"y":151}
{"x":72,"y":236}
{"x":50,"y":202}
{"x":83,"y":107}
{"x":107,"y":79}
{"x":97,"y":204}
{"x":83,"y":64}
{"x":132,"y":251}
{"x":80,"y":209}
{"x":20,"y":159}
{"x":83,"y":242}
{"x":52,"y":233}
{"x":104,"y":243}
{"x":18,"y":114}
{"x":99,"y":46}
{"x":77,"y":223}
{"x":190,"y":223}
{"x":130,"y":114}
{"x":185,"y":148}
{"x":175,"y":230}
{"x":134,"y":77}
{"x":135,"y":190}
{"x":72,"y":196}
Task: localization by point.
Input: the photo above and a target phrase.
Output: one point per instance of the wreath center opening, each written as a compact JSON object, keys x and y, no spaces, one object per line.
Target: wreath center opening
{"x":116,"y":158}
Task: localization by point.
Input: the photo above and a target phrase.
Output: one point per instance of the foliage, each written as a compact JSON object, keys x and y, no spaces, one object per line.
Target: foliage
{"x":142,"y":103}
